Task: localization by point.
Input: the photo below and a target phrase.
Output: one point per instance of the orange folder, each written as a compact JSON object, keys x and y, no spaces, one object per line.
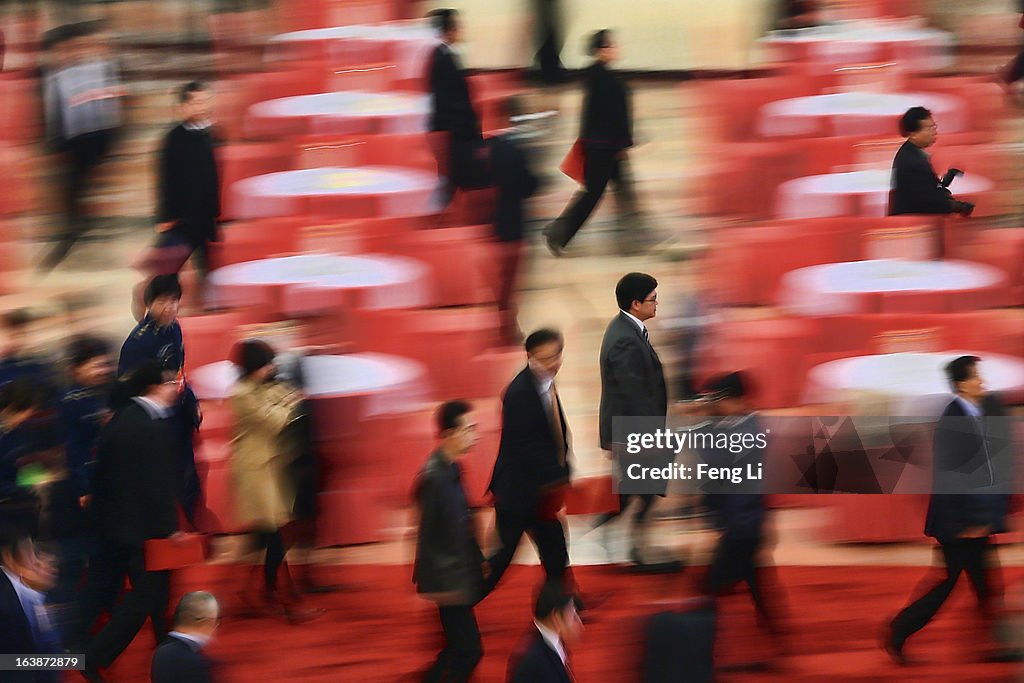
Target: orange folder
{"x":165,"y":553}
{"x":572,"y":164}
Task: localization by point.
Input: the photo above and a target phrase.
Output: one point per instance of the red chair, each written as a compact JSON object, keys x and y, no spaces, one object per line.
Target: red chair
{"x":19,"y":196}
{"x":209,"y":338}
{"x":245,"y":160}
{"x":257,"y":239}
{"x":21,"y":113}
{"x":440,"y":248}
{"x":736,"y":103}
{"x":216,"y":513}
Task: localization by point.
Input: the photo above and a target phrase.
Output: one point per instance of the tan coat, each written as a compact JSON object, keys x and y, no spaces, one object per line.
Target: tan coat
{"x":264,"y":493}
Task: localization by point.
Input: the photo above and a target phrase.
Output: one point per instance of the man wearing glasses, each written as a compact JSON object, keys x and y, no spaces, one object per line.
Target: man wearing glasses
{"x":180,"y":657}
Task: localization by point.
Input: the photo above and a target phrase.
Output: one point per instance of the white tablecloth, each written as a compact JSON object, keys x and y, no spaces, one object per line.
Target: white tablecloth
{"x":392,"y":383}
{"x":917,"y":48}
{"x":914,"y":383}
{"x":856,"y":113}
{"x":340,"y":113}
{"x":409,"y":43}
{"x":858,"y":193}
{"x":846,"y":288}
{"x":314,"y":283}
{"x":398,"y":191}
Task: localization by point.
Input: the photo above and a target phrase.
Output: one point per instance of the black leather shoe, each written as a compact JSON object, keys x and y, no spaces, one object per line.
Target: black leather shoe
{"x":894,"y":647}
{"x":551,"y":239}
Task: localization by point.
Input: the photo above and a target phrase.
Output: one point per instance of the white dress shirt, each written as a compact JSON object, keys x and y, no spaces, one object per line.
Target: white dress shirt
{"x":552,"y":639}
{"x":33,"y":604}
{"x":638,"y":321}
{"x":152,"y":408}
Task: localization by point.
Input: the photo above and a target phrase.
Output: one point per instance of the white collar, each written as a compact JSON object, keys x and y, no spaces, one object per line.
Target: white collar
{"x":196,"y":640}
{"x":202,"y":125}
{"x":638,"y":321}
{"x":552,"y":639}
{"x":969,"y":408}
{"x":152,"y":408}
{"x":29,"y":598}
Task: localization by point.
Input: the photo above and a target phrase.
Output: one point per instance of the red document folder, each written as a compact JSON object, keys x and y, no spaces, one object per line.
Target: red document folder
{"x":572,"y":164}
{"x":164,"y":553}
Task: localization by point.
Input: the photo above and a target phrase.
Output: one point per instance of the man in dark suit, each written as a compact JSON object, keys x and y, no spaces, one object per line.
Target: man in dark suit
{"x":180,"y":658}
{"x":134,"y":500}
{"x":531,"y":472}
{"x":632,"y":380}
{"x":25,"y":576}
{"x":453,"y":111}
{"x":967,"y":506}
{"x":189,"y":184}
{"x":606,"y":131}
{"x":916,"y":189}
{"x":541,"y":656}
{"x":449,"y":563}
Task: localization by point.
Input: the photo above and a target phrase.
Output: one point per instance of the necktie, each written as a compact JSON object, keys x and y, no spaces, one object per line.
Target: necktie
{"x":556,"y":424}
{"x":647,"y":338}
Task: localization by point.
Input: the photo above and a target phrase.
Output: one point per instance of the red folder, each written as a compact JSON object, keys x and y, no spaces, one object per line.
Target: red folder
{"x":165,"y":553}
{"x":572,"y":164}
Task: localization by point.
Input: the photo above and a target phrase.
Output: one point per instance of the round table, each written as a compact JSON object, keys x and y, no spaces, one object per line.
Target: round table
{"x":339,"y":113}
{"x":312,"y":284}
{"x":856,"y":113}
{"x":857,"y":193}
{"x":868,"y":287}
{"x":357,"y":192}
{"x":914,"y":384}
{"x":407,"y":44}
{"x":861,"y":42}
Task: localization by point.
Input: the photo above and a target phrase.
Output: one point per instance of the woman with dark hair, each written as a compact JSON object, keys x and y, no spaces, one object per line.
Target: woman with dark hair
{"x":262,"y":453}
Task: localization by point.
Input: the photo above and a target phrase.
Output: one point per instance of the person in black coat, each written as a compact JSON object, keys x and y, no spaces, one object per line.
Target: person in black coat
{"x":452,"y":108}
{"x":632,"y":381}
{"x":25,"y":576}
{"x":606,"y":132}
{"x":549,"y":32}
{"x":134,"y":500}
{"x":916,"y":188}
{"x":968,"y":504}
{"x":189,"y":183}
{"x":515,"y":182}
{"x":531,"y":472}
{"x":19,"y":505}
{"x":449,"y":565}
{"x":180,"y":658}
{"x":541,"y":656}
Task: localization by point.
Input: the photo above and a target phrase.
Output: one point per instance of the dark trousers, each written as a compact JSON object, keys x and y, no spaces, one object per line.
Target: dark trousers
{"x":547,"y":535}
{"x":147,"y":598}
{"x":971,"y":555}
{"x":84,"y":153}
{"x":72,"y":557}
{"x":549,"y":36}
{"x":646,"y":502}
{"x":735,"y":561}
{"x":600,"y":166}
{"x":463,"y":650}
{"x":509,"y":256}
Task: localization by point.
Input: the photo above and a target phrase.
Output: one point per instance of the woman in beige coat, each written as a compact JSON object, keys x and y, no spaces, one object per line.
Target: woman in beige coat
{"x":263,"y":408}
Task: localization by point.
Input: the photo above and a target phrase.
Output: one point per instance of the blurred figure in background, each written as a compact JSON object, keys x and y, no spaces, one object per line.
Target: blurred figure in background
{"x":19,"y":505}
{"x":541,"y":656}
{"x":515,"y":183}
{"x":188,"y":194}
{"x":263,"y":408}
{"x":549,"y":34}
{"x":25,"y":577}
{"x":134,"y":500}
{"x":83,"y":100}
{"x":606,"y":131}
{"x":18,"y":359}
{"x":180,"y":658}
{"x":450,"y":566}
{"x":157,"y":337}
{"x":452,"y":110}
{"x":798,"y":14}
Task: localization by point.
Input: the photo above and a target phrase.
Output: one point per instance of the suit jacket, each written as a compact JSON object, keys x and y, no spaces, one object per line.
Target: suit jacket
{"x":453,"y":110}
{"x":18,"y":637}
{"x":514,"y":182}
{"x":607,"y":118}
{"x":962,"y":461}
{"x":137,"y":478}
{"x":189,"y":184}
{"x":528,"y":459}
{"x":537,"y":663}
{"x":448,"y":557}
{"x":915,"y":186}
{"x":180,"y":661}
{"x":632,"y":379}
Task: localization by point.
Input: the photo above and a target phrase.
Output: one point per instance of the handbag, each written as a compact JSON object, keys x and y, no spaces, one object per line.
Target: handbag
{"x":573,"y":163}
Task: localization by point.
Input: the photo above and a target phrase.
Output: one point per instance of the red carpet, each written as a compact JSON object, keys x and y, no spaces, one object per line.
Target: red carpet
{"x":377,"y":630}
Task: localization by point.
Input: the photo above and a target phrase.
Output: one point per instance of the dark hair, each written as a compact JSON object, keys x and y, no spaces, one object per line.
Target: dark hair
{"x":12,"y":537}
{"x":19,"y":395}
{"x":911,"y":120}
{"x":553,"y":598}
{"x":162,"y":285}
{"x":448,"y":415}
{"x":253,"y":354}
{"x":83,"y":349}
{"x":145,"y":377}
{"x":543,"y":336}
{"x":599,"y":39}
{"x":17,"y":319}
{"x":186,"y":91}
{"x":633,"y":287}
{"x":959,"y":370}
{"x":444,"y":19}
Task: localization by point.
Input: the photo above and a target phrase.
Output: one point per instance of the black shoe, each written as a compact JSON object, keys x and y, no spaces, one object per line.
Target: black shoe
{"x":554,"y":246}
{"x":1006,"y":656}
{"x":672,"y":567}
{"x":894,"y":647}
{"x":320,"y":589}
